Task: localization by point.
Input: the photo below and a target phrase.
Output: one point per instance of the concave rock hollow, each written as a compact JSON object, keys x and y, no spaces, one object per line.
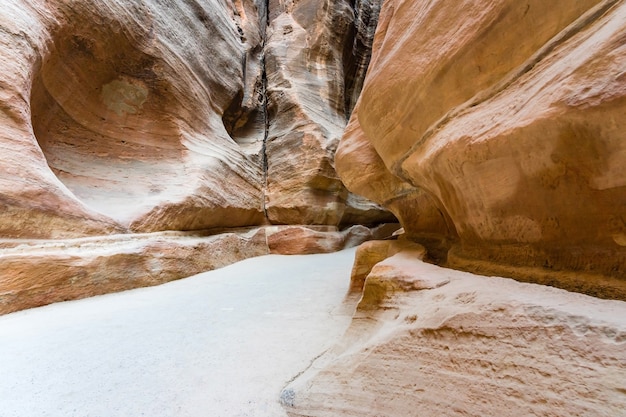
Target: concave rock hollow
{"x":103,"y":118}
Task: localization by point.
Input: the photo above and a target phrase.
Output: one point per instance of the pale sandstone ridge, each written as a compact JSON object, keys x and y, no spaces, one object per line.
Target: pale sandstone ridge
{"x":497,"y":136}
{"x":438,"y":342}
{"x":43,"y":272}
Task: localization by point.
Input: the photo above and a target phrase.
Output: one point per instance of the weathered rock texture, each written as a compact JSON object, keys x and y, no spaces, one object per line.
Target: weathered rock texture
{"x":146,"y":116}
{"x":314,"y":65}
{"x":122,"y":117}
{"x":43,"y":272}
{"x":496,"y":130}
{"x":39,"y":272}
{"x":438,"y":342}
{"x":294,"y":240}
{"x":113,"y":112}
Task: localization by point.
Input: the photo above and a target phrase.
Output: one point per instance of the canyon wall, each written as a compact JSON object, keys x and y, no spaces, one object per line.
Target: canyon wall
{"x":189,"y":115}
{"x":148,"y":140}
{"x":115,"y":119}
{"x":124,"y":118}
{"x":494,"y":131}
{"x":316,"y":53}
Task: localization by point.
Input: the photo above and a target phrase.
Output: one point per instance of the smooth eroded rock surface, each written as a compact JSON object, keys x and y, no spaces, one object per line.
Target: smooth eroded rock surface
{"x":370,"y":253}
{"x":185,"y":115}
{"x":316,"y":52}
{"x":499,"y":134}
{"x":437,"y":342}
{"x":134,"y":117}
{"x":117,"y":120}
{"x":294,"y":240}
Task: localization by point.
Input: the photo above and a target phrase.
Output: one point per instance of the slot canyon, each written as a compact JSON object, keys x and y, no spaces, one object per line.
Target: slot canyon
{"x":433,"y":191}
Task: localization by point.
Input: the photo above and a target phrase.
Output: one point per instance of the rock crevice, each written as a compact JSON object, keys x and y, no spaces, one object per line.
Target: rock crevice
{"x":175,"y":116}
{"x":146,"y":117}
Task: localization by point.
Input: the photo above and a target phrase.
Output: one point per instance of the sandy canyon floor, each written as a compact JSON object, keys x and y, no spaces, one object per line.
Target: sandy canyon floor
{"x":221,"y":343}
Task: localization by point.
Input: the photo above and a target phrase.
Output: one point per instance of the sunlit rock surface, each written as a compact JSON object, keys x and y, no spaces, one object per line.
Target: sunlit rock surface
{"x":498,"y":135}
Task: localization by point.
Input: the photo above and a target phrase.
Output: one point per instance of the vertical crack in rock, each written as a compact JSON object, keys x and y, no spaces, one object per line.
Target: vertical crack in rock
{"x":246,"y":118}
{"x":264,"y":15}
{"x":316,"y":90}
{"x":309,"y":56}
{"x":357,"y":58}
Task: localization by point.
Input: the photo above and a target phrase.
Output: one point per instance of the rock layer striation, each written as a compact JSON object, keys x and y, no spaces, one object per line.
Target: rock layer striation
{"x":39,"y":272}
{"x":150,"y":116}
{"x":122,"y":118}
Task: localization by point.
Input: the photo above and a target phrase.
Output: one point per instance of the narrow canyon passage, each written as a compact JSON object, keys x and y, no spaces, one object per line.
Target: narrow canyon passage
{"x":222,"y":343}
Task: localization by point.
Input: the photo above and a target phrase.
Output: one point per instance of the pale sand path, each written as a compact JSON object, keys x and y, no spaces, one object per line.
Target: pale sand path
{"x":222,"y":344}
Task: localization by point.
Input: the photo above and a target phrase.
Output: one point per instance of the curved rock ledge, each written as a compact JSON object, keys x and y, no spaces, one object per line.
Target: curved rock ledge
{"x":437,"y":342}
{"x":40,"y":272}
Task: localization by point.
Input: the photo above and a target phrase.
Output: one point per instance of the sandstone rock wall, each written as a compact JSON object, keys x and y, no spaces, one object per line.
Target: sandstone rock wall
{"x":130,"y":117}
{"x":494,"y":131}
{"x":116,"y":115}
{"x":145,"y":116}
{"x":311,"y":49}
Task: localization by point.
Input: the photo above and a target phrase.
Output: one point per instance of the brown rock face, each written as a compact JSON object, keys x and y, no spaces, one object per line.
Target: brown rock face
{"x":293,"y":240}
{"x":119,"y":120}
{"x":43,"y":272}
{"x":39,"y":272}
{"x":314,"y":64}
{"x":498,"y":134}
